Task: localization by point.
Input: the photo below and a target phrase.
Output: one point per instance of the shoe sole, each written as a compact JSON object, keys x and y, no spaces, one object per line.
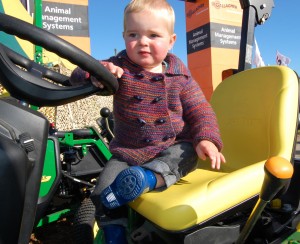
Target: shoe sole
{"x":128,"y":185}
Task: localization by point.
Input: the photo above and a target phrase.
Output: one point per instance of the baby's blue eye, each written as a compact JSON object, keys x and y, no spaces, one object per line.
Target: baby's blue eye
{"x":132,"y":35}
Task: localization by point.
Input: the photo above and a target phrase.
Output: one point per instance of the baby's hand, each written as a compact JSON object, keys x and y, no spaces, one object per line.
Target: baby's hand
{"x":115,"y":70}
{"x":208,"y":149}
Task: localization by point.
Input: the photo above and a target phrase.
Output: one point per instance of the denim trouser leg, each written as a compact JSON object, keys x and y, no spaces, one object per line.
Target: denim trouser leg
{"x":173,"y":164}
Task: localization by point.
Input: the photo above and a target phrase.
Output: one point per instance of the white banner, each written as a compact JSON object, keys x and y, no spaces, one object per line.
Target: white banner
{"x":282,"y":60}
{"x":257,"y":60}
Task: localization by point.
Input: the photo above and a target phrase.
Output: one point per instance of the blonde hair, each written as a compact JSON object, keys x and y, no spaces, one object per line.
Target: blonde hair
{"x":158,"y":6}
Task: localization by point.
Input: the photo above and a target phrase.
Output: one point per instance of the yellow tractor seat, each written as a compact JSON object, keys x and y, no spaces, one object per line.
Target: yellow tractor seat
{"x":257,"y":111}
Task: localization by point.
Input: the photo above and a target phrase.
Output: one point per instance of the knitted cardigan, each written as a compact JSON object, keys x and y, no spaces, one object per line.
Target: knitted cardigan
{"x":153,"y":111}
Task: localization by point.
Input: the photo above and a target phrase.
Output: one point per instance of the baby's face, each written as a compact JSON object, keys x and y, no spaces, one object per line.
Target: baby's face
{"x":147,"y":39}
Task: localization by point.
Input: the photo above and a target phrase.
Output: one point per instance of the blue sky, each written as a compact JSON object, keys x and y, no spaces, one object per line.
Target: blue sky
{"x":280,"y":32}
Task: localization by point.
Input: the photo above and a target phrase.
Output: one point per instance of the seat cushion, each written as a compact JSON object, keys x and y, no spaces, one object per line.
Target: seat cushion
{"x":199,"y":196}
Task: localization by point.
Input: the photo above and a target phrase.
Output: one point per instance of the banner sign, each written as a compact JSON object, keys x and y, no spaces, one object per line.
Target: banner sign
{"x":64,"y":19}
{"x":213,"y":35}
{"x":198,"y":39}
{"x":225,"y":36}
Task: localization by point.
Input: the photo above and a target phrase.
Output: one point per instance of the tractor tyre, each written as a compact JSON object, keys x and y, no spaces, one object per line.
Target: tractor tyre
{"x":84,"y":224}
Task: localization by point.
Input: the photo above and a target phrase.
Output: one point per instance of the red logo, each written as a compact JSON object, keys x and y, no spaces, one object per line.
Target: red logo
{"x":217,"y":4}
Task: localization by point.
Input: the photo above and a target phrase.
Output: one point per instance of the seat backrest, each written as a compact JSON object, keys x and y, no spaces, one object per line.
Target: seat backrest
{"x":257,"y":111}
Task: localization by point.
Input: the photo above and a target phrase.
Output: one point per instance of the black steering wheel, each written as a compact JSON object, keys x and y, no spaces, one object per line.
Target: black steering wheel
{"x":28,"y":83}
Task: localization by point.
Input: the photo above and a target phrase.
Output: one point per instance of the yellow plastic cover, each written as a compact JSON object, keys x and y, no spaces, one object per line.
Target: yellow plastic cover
{"x":257,"y":115}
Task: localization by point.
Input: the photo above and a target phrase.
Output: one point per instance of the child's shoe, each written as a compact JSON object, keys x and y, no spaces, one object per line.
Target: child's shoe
{"x":114,"y":234}
{"x":127,"y":186}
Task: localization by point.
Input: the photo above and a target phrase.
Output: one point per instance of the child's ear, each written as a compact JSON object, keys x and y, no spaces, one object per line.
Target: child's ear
{"x":172,"y":41}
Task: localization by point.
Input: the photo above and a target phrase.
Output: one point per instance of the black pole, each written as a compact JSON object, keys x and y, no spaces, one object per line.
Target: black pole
{"x":247,"y":37}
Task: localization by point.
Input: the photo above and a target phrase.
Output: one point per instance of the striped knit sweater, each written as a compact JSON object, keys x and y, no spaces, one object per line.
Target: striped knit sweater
{"x":154,"y":111}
